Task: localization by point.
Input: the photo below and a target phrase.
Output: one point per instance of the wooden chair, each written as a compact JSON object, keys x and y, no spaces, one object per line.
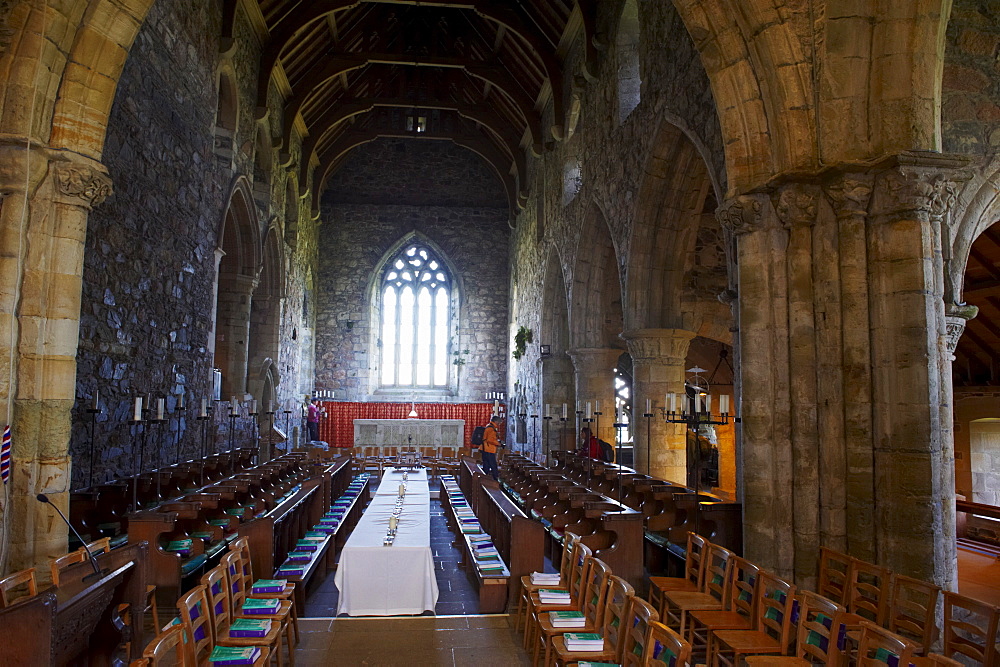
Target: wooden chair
{"x":232,"y":563}
{"x":173,"y":646}
{"x":616,"y":609}
{"x":14,"y":581}
{"x":665,"y":646}
{"x":713,"y":595}
{"x":911,"y":611}
{"x":868,"y":593}
{"x":57,"y":565}
{"x":936,"y":659}
{"x":834,"y":575}
{"x":694,"y":572}
{"x":640,"y":617}
{"x":216,"y":592}
{"x":970,"y":628}
{"x":772,"y":633}
{"x":101,"y":546}
{"x":593,"y":599}
{"x":740,"y":607}
{"x":527,"y":588}
{"x":576,"y":587}
{"x":816,"y":639}
{"x":242,"y":545}
{"x":877,"y":645}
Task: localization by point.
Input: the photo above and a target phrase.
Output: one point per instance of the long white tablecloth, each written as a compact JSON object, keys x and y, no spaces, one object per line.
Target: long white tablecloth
{"x":375,"y":580}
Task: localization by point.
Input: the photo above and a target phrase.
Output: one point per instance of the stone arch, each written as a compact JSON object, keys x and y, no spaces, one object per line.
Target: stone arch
{"x":239,"y":261}
{"x":674,"y":212}
{"x":226,"y":112}
{"x":596,"y":319}
{"x":557,"y":367}
{"x":265,"y":315}
{"x":627,"y":56}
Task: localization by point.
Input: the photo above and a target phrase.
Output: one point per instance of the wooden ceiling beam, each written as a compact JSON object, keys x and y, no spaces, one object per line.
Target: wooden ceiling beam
{"x":987,"y":263}
{"x":980,"y":289}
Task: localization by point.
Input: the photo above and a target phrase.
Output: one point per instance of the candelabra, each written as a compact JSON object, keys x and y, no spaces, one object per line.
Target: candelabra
{"x":618,"y":426}
{"x":206,"y":414}
{"x":93,"y":411}
{"x":533,"y":452}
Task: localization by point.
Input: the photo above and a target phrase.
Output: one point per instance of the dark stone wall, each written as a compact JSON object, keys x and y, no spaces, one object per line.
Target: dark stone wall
{"x":970,"y":106}
{"x":356,"y":236}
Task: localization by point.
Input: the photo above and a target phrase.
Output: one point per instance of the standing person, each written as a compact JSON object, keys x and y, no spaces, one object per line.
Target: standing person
{"x":312,"y":420}
{"x":589,"y":445}
{"x":491,"y":441}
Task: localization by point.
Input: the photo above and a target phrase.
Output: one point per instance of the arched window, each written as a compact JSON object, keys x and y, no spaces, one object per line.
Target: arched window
{"x":415,"y":319}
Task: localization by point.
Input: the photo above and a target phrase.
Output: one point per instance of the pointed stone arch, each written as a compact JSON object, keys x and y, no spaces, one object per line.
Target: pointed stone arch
{"x":627,"y":57}
{"x":596,"y":319}
{"x":557,"y":367}
{"x":265,"y":317}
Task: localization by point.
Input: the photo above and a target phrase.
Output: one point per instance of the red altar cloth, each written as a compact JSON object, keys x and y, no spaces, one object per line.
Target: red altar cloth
{"x":337,"y":427}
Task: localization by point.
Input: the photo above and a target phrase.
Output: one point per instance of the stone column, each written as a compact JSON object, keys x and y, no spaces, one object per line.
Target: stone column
{"x":658,"y":367}
{"x":50,"y":235}
{"x":557,"y":388}
{"x":595,"y":382}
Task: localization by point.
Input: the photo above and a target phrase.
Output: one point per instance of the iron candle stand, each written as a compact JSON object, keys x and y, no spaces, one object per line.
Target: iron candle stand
{"x":93,"y":412}
{"x":648,"y":416}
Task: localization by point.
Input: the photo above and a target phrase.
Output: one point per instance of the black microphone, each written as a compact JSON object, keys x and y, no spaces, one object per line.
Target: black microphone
{"x":98,"y":573}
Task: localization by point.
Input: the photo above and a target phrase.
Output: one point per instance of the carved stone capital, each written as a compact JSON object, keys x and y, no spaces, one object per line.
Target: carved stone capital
{"x":588,"y":360}
{"x":795,"y":204}
{"x":742,"y":214}
{"x":81,"y":184}
{"x":956,"y":316}
{"x":914,"y":185}
{"x":658,"y":346}
{"x":849,"y":194}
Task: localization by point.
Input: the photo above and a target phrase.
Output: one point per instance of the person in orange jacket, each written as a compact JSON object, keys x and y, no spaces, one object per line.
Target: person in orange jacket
{"x":491,"y":442}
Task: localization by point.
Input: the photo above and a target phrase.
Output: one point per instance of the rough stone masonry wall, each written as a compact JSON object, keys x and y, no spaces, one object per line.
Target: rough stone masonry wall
{"x":613,"y":157}
{"x":356,"y":236}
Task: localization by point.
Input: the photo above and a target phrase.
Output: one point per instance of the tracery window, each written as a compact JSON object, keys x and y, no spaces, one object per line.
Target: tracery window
{"x":415,"y":317}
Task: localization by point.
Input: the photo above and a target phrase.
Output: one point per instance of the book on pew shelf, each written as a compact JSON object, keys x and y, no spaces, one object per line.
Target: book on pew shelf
{"x":222,"y":523}
{"x":223,"y":656}
{"x":585,"y":663}
{"x":550,"y":595}
{"x":315,"y":535}
{"x":324,"y":528}
{"x":249,"y":627}
{"x":583,"y":641}
{"x":182,"y":547}
{"x":264,"y":606}
{"x":541,"y":578}
{"x":290,"y":571}
{"x":567,"y":619}
{"x":268,"y":586}
{"x":299,"y":557}
{"x":235,"y":511}
{"x":306,"y":545}
{"x":472,"y":528}
{"x":491,"y":569}
{"x":203,"y":535}
{"x":484,"y":545}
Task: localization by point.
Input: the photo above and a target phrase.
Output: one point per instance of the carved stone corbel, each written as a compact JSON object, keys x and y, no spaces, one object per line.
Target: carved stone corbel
{"x":795,"y":204}
{"x":849,"y":194}
{"x":742,"y":214}
{"x":81,"y":184}
{"x":956,"y":317}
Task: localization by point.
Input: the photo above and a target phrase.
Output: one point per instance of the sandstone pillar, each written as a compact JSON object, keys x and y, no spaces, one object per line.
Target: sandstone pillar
{"x":658,"y":367}
{"x":595,"y":382}
{"x":42,"y":262}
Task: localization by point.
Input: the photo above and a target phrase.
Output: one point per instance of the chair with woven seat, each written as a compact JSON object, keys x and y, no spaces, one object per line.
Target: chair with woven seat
{"x":664,"y":646}
{"x":576,"y":585}
{"x":911,"y":611}
{"x":713,"y":594}
{"x":878,"y":646}
{"x":739,"y":611}
{"x":242,"y":545}
{"x":816,"y":638}
{"x":640,"y":617}
{"x":172,"y":646}
{"x":834,"y":575}
{"x":232,"y":563}
{"x":199,"y":619}
{"x":593,"y":599}
{"x":970,"y":628}
{"x":527,"y":588}
{"x":613,"y":628}
{"x":693,"y":572}
{"x":12,"y":583}
{"x":57,"y":565}
{"x":773,"y":628}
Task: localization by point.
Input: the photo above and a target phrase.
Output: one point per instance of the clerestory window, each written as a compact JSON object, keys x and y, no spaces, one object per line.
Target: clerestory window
{"x":415,"y":319}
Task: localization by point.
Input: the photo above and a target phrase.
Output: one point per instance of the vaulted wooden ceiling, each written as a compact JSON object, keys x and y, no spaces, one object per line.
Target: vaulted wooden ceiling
{"x":977,"y":357}
{"x":480,"y":73}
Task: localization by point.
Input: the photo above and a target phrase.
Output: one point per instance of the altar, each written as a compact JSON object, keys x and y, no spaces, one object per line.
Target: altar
{"x":409,"y":432}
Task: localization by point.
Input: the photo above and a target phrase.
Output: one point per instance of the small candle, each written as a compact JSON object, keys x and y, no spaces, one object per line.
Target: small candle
{"x":564,"y":411}
{"x":697,"y":402}
{"x":724,"y":404}
{"x":137,"y":412}
{"x":402,"y":490}
{"x":159,"y":408}
{"x":548,"y":410}
{"x":253,"y":406}
{"x":496,"y":406}
{"x":708,"y":403}
{"x":588,"y":409}
{"x":578,"y":406}
{"x":97,"y":399}
{"x":649,"y":407}
{"x":204,"y":407}
{"x":597,"y":406}
{"x":180,"y":402}
{"x":393,"y":521}
{"x":232,"y":404}
{"x":672,"y":401}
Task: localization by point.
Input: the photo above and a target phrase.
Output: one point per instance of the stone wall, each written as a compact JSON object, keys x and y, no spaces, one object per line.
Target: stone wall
{"x":356,"y":236}
{"x":970,"y":109}
{"x":149,"y":267}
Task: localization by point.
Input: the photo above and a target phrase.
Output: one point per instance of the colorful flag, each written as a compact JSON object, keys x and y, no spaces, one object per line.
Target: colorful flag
{"x":5,"y":455}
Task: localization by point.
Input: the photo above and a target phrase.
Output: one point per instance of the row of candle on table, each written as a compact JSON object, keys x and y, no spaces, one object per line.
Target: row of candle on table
{"x":137,"y":410}
{"x":700,"y":403}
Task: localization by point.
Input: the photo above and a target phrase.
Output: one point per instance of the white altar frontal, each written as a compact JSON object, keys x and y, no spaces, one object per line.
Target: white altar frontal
{"x":409,"y":432}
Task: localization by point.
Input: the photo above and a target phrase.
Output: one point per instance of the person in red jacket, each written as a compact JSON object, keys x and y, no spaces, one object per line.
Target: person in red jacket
{"x":491,"y":442}
{"x":589,"y":446}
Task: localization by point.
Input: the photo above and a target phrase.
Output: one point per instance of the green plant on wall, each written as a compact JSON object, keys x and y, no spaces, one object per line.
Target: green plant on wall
{"x":521,"y":340}
{"x":459,"y":357}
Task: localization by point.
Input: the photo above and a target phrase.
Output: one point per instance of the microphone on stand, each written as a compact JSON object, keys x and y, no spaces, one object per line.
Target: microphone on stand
{"x":98,"y":572}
